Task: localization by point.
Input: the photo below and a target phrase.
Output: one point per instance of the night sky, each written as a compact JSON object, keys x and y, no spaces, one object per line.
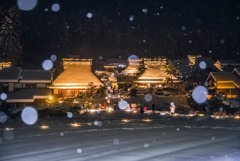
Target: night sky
{"x":170,"y":28}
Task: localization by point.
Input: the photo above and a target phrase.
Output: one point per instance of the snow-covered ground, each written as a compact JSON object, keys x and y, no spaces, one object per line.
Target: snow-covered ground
{"x":121,"y":136}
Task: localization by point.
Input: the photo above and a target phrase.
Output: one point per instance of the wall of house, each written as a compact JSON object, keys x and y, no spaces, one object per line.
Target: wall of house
{"x":18,"y":85}
{"x":11,"y":87}
{"x":42,"y":85}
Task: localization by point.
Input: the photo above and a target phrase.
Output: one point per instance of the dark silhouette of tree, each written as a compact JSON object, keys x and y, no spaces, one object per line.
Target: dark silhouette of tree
{"x":10,"y":33}
{"x":171,"y":70}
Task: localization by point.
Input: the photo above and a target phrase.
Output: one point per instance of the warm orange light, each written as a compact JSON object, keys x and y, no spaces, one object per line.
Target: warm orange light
{"x":75,"y":124}
{"x":9,"y":128}
{"x":44,"y":127}
{"x":237,"y":117}
{"x":200,"y":114}
{"x":175,"y":114}
{"x":110,"y":109}
{"x":50,"y":97}
{"x":146,"y":120}
{"x":125,"y":120}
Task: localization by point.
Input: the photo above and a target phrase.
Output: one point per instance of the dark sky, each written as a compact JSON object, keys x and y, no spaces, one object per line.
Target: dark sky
{"x":172,"y":28}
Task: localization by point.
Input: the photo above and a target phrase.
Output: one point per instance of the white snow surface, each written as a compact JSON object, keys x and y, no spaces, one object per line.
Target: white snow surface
{"x":157,"y":139}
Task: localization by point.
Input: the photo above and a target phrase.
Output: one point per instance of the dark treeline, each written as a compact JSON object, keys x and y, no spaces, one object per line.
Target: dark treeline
{"x":170,"y":28}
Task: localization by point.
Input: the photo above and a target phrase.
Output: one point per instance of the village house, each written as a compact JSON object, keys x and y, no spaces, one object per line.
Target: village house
{"x":154,"y":75}
{"x":227,"y":83}
{"x":25,"y":86}
{"x":75,"y":78}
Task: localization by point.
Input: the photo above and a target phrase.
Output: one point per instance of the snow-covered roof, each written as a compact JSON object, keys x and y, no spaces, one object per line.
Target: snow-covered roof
{"x":76,"y":74}
{"x":28,"y":95}
{"x":11,"y":74}
{"x":225,"y":62}
{"x":221,"y":77}
{"x":36,"y":76}
{"x":154,"y":74}
{"x":237,"y":70}
{"x":209,"y":62}
{"x":131,"y":69}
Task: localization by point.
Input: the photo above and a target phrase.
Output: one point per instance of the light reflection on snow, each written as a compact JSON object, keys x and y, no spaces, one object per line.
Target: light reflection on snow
{"x":26,"y":5}
{"x":29,"y":115}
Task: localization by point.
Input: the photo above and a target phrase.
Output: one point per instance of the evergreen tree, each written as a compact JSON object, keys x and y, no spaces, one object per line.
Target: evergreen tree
{"x":171,"y":70}
{"x":10,"y":31}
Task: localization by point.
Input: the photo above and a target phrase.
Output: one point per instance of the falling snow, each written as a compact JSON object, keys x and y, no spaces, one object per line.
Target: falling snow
{"x":26,"y":5}
{"x":199,"y":94}
{"x":29,"y":115}
{"x":55,"y":7}
{"x":148,"y":97}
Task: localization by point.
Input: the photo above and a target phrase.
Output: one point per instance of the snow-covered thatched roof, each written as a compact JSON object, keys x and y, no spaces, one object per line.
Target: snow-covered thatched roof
{"x":237,"y":70}
{"x":76,"y":74}
{"x":28,"y":95}
{"x":36,"y":76}
{"x":11,"y":74}
{"x":225,"y":78}
{"x":132,"y":69}
{"x":154,"y":74}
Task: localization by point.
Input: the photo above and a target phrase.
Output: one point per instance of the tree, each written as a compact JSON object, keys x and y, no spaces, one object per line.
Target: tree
{"x":10,"y":32}
{"x":90,"y":89}
{"x":171,"y":70}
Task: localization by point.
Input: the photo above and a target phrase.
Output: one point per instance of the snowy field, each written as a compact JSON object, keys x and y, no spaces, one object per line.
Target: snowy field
{"x":120,"y":136}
